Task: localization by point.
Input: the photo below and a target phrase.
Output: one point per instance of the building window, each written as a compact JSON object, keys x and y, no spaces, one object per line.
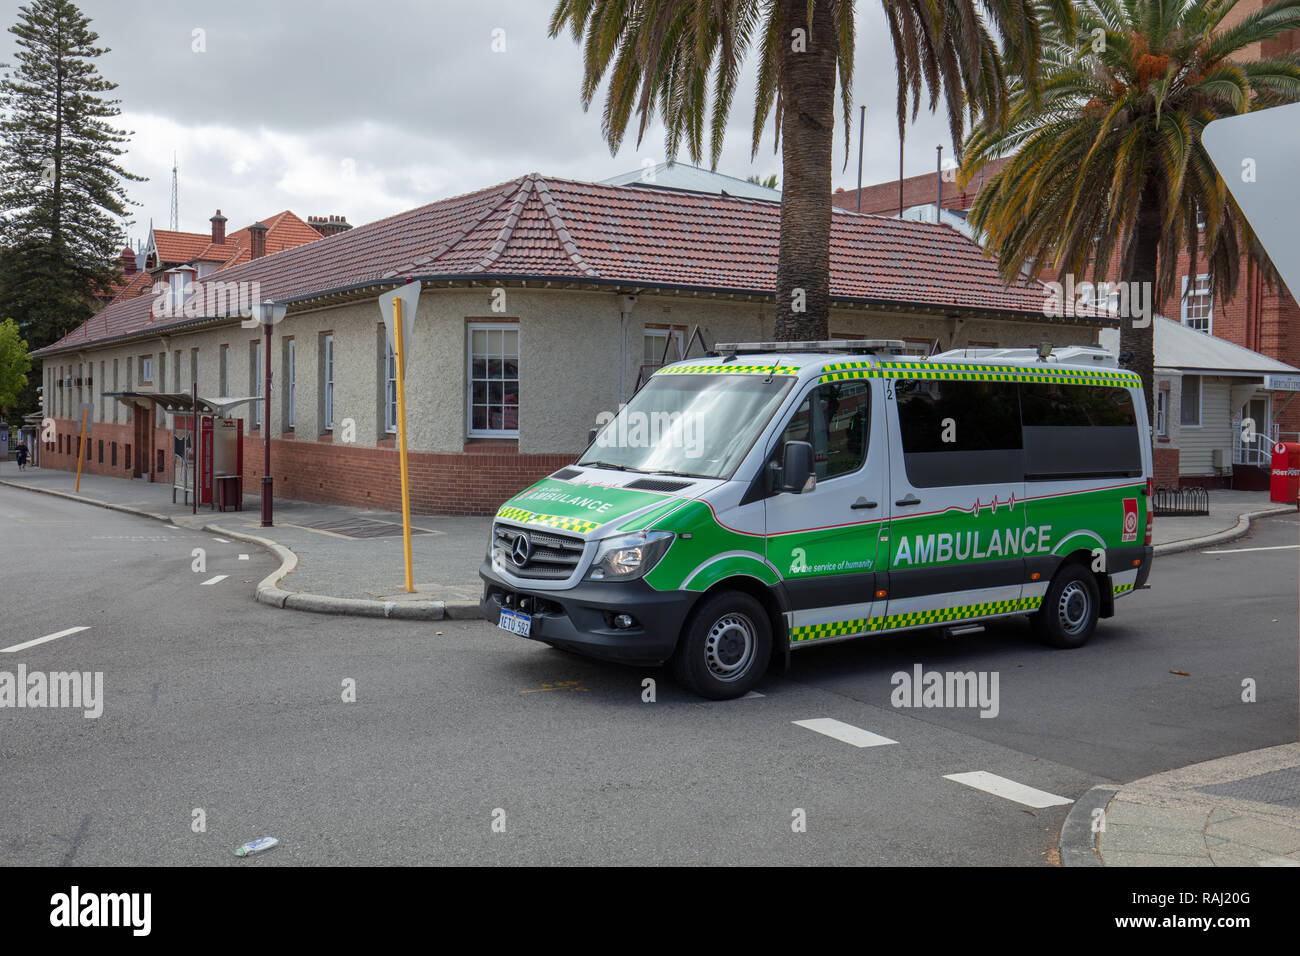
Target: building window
{"x":290,"y":382}
{"x":162,"y":371}
{"x":493,"y":381}
{"x":1162,"y":412}
{"x":256,"y":378}
{"x":146,"y":369}
{"x":1198,"y":304}
{"x":327,"y":380}
{"x":390,"y":388}
{"x":223,"y":372}
{"x":654,"y":343}
{"x":115,"y":402}
{"x":1190,"y":413}
{"x":194,"y":367}
{"x":176,"y":370}
{"x":102,"y":399}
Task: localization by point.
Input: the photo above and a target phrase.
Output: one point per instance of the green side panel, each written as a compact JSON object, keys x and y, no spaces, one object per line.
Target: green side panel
{"x":1078,"y":520}
{"x":707,"y":540}
{"x":826,"y":552}
{"x":989,"y":531}
{"x":889,"y":622}
{"x":733,"y":565}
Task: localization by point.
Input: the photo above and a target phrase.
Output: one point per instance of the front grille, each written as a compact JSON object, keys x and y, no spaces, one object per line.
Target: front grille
{"x":550,"y":556}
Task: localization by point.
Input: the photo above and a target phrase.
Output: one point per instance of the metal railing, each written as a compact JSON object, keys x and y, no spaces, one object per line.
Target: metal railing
{"x":1181,"y":502}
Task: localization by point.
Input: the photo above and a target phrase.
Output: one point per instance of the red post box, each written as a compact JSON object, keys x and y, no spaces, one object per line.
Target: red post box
{"x":1286,"y":471}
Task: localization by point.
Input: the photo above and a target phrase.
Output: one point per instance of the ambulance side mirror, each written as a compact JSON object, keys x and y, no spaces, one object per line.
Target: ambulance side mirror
{"x":797,"y":468}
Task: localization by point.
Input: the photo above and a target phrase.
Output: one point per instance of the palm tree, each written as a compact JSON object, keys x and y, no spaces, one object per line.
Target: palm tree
{"x":682,"y":59}
{"x":1108,"y":166}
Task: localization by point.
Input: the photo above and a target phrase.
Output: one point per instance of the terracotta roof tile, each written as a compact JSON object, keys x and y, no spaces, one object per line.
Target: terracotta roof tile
{"x":535,"y":228}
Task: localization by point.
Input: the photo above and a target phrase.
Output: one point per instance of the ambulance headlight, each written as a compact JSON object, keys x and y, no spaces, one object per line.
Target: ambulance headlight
{"x":629,"y":556}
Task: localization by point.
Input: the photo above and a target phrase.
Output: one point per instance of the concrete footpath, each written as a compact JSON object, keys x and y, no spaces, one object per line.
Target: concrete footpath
{"x":347,"y":560}
{"x":1242,"y":810}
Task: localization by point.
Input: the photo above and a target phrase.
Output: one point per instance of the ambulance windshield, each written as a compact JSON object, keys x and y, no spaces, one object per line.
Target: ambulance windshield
{"x":698,"y":425}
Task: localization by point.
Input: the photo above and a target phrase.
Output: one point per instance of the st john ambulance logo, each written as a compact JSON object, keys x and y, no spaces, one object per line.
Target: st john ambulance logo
{"x":1130,"y":519}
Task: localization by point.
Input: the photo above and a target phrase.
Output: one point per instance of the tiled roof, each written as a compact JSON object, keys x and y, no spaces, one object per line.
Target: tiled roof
{"x":179,"y":246}
{"x":536,"y":228}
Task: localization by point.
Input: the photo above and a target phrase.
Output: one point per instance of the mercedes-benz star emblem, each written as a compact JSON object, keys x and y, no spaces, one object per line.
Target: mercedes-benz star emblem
{"x":521,"y":551}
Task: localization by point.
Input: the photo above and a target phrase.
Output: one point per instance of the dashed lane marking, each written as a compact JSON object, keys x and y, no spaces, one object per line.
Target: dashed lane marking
{"x":41,"y":640}
{"x":222,"y":540}
{"x":845,"y":732}
{"x":243,"y":557}
{"x":217,"y":580}
{"x":1008,"y":789}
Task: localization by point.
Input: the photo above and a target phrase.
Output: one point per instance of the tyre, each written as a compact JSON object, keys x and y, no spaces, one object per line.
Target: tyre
{"x":1069,"y":612}
{"x":725,"y":646}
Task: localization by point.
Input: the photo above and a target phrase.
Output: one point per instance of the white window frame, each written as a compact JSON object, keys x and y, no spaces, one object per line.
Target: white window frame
{"x":1187,"y":301}
{"x":390,"y":388}
{"x":1162,"y":412}
{"x":176,"y":368}
{"x":471,"y":328}
{"x":293,"y":381}
{"x":661,"y":338}
{"x":146,"y":369}
{"x":1200,"y":401}
{"x":327,"y":380}
{"x":223,"y":372}
{"x":257,"y":382}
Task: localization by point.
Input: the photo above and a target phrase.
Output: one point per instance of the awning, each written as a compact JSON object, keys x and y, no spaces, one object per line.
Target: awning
{"x":183,"y":402}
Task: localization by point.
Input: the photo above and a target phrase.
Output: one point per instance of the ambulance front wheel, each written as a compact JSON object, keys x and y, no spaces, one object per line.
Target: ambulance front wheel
{"x":725,"y":645}
{"x":1069,"y":612}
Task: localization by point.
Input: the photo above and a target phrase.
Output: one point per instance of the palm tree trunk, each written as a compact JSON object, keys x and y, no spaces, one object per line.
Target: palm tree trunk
{"x":1140,"y":341}
{"x":807,"y":82}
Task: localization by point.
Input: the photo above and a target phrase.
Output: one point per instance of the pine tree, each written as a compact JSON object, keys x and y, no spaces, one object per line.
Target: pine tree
{"x":62,"y":192}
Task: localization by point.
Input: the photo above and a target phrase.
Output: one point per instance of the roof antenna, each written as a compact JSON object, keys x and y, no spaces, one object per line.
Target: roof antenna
{"x":176,"y":213}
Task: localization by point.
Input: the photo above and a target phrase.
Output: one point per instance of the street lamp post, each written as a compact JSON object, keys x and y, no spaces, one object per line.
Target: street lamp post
{"x":268,"y":313}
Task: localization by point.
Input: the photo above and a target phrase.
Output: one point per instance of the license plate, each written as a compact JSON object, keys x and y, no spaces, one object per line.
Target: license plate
{"x":515,"y":623}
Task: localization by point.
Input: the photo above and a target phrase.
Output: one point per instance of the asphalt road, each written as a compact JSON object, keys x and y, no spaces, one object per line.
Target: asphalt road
{"x":217,"y":704}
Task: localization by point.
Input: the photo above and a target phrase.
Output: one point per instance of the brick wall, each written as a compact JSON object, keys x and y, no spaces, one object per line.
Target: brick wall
{"x":474,"y":482}
{"x":1165,"y":459}
{"x":107,"y":435}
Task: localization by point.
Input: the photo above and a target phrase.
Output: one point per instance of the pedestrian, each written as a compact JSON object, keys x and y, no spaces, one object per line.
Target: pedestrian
{"x":21,"y":451}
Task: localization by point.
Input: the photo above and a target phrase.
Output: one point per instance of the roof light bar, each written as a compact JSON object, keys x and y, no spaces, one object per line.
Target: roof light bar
{"x":833,"y":345}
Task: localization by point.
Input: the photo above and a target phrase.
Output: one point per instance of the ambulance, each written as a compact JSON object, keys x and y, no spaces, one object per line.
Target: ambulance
{"x":771,"y":497}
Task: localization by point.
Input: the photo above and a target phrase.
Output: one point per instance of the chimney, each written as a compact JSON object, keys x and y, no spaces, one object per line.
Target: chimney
{"x":257,"y":235}
{"x":218,"y":229}
{"x":329,"y":225}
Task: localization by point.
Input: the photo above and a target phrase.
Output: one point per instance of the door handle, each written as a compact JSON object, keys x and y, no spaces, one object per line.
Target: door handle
{"x":908,"y":501}
{"x":864,"y":503}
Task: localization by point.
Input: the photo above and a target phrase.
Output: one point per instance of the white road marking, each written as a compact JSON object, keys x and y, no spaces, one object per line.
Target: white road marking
{"x":845,"y":732}
{"x":222,"y":540}
{"x":1278,"y":547}
{"x":243,"y":557}
{"x":1008,"y":789}
{"x":42,"y":640}
{"x":217,"y":580}
{"x":172,"y":526}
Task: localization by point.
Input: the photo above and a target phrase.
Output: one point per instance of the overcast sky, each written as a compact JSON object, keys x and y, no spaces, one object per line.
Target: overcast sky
{"x":365,"y":108}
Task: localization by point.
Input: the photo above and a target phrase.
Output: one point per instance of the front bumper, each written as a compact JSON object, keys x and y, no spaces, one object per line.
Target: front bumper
{"x":579,"y":618}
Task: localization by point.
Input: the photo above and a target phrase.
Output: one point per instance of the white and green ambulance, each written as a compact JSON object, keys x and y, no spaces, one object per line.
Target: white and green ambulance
{"x":777,"y":496}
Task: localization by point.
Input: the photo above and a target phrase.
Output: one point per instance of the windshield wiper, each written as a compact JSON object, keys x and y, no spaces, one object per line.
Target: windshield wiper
{"x":607,"y":464}
{"x":679,"y":474}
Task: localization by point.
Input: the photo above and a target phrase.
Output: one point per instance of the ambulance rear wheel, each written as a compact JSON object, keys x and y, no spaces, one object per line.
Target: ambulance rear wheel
{"x":1069,"y":612}
{"x":724,"y":648}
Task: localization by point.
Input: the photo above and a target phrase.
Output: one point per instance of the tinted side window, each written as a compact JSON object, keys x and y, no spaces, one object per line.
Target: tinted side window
{"x":960,"y":433}
{"x":834,"y":419}
{"x":1078,"y":431}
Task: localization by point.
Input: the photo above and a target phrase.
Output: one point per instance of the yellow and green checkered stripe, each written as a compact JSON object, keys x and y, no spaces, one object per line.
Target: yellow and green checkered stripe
{"x":1118,"y":589}
{"x":952,"y":371}
{"x":552,"y":521}
{"x":867,"y":625}
{"x":736,"y":369}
